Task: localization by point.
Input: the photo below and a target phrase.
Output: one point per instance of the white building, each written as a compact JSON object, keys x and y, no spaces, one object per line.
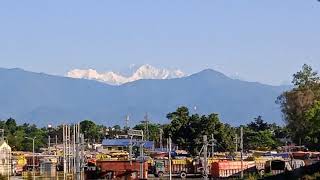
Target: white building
{"x":5,"y":158}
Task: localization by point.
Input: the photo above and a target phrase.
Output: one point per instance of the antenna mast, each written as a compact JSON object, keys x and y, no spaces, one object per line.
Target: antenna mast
{"x":146,"y":126}
{"x":127,"y":122}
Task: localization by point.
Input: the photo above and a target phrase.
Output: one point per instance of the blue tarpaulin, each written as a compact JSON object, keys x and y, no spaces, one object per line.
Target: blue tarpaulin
{"x":126,"y":143}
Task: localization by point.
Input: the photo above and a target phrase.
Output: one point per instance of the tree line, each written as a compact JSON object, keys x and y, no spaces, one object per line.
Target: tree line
{"x":18,"y":136}
{"x":185,"y":129}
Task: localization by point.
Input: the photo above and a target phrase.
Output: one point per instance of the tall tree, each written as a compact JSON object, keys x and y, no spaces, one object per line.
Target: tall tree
{"x":11,"y":125}
{"x":154,"y":130}
{"x":313,"y":116}
{"x":91,"y":131}
{"x":260,"y":135}
{"x":258,"y":124}
{"x":305,"y":78}
{"x":297,"y":102}
{"x":187,"y":130}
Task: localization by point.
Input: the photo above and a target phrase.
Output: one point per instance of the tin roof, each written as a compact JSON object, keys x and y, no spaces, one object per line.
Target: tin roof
{"x":126,"y":142}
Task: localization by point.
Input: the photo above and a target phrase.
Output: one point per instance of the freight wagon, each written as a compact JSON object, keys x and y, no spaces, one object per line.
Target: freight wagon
{"x":117,"y":169}
{"x":226,"y":169}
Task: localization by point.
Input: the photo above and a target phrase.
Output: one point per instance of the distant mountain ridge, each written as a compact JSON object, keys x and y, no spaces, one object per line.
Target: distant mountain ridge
{"x":143,"y":72}
{"x":40,"y":98}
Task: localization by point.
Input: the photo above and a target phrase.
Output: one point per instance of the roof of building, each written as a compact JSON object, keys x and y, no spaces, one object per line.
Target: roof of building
{"x":4,"y":144}
{"x":126,"y":142}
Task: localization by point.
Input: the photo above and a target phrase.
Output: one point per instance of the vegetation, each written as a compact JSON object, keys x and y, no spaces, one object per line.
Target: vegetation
{"x":300,"y":107}
{"x":260,"y":135}
{"x":187,"y":130}
{"x":92,"y":132}
{"x":153,"y":131}
{"x":20,"y":137}
{"x":17,"y":135}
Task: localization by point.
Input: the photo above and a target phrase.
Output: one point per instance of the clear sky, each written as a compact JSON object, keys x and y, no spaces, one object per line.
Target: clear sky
{"x":258,"y":40}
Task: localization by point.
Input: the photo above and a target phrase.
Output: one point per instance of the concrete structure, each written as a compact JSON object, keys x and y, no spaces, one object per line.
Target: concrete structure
{"x":5,"y":159}
{"x":48,"y":167}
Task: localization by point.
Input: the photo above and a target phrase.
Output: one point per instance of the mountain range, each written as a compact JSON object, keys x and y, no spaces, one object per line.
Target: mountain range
{"x":46,"y":99}
{"x":113,"y":78}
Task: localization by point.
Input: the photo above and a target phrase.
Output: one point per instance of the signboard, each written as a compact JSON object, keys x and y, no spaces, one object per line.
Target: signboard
{"x":132,"y":132}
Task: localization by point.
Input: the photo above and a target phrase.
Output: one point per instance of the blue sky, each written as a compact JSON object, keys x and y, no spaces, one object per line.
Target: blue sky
{"x":258,"y":40}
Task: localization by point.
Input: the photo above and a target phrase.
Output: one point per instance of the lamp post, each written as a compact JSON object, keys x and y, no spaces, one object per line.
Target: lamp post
{"x":33,"y":156}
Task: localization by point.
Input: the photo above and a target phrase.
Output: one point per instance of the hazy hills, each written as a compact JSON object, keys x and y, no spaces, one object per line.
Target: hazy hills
{"x":42,"y":99}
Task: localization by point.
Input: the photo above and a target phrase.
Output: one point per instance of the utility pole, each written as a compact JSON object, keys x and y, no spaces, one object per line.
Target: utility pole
{"x":141,"y":161}
{"x":33,"y":157}
{"x":82,"y":154}
{"x":236,"y":142}
{"x":49,"y":138}
{"x":170,"y":168}
{"x":138,"y":133}
{"x":130,"y":150}
{"x":146,"y":126}
{"x":64,"y":152}
{"x":205,"y":158}
{"x":127,"y":122}
{"x":142,"y":157}
{"x":77,"y":158}
{"x":49,"y":145}
{"x":212,"y":150}
{"x":69,"y":149}
{"x":73,"y":156}
{"x":241,"y":146}
{"x":160,"y":139}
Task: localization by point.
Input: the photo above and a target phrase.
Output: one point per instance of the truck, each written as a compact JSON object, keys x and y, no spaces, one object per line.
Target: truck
{"x":179,"y":167}
{"x":281,"y":166}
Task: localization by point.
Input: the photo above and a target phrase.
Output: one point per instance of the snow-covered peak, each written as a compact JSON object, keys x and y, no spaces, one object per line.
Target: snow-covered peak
{"x":143,"y":72}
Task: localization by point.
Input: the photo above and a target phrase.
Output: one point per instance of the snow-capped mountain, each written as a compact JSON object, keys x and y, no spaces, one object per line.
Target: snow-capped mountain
{"x":143,"y":72}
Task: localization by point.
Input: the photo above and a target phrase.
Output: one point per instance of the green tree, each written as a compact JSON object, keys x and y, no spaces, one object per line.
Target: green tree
{"x":16,"y":140}
{"x":305,"y":78}
{"x":154,"y":130}
{"x":258,"y":124}
{"x":297,"y":102}
{"x":91,"y":131}
{"x":187,"y":130}
{"x":117,"y":127}
{"x":16,"y":135}
{"x":260,"y":135}
{"x":313,"y":116}
{"x":11,"y":125}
